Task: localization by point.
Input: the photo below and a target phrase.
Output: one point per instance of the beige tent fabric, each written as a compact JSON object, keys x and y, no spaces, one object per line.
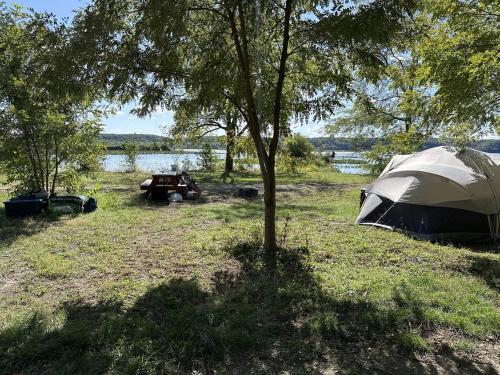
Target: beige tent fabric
{"x":396,"y":160}
{"x":494,"y":157}
{"x":443,"y":177}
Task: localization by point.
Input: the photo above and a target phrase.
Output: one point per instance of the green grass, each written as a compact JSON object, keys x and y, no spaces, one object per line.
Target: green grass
{"x":147,"y":287}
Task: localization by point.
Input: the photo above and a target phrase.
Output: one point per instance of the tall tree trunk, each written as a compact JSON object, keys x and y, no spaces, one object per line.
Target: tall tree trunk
{"x":230,"y":142}
{"x":47,"y":162}
{"x":408,"y":122}
{"x":270,"y":244}
{"x":266,"y":159}
{"x":39,"y":164}
{"x":54,"y":179}
{"x":56,"y":171}
{"x":32,"y":159}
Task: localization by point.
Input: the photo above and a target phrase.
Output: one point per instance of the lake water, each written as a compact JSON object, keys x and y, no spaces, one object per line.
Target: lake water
{"x":350,"y":168}
{"x":156,"y":162}
{"x":189,"y":160}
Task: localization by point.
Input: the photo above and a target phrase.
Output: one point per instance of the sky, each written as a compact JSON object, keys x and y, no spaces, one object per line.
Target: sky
{"x":123,"y":122}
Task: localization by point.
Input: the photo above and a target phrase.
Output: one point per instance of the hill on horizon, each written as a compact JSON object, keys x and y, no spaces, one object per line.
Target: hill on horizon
{"x":158,"y":142}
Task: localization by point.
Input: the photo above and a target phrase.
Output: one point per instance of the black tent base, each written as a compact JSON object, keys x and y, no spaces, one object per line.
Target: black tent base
{"x":441,"y":238}
{"x":437,"y":224}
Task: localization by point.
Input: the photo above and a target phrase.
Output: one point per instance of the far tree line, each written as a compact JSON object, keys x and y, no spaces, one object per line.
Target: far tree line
{"x":150,"y":142}
{"x":396,"y":71}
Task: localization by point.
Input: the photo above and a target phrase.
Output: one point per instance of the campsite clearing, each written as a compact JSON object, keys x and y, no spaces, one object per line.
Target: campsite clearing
{"x":148,"y":287}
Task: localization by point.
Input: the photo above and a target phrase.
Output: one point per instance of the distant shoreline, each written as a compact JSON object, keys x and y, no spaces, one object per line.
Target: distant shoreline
{"x":170,"y":152}
{"x":149,"y":143}
{"x":189,"y":151}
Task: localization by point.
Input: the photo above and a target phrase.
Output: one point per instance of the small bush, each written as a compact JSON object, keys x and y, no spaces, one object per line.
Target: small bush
{"x":246,"y":163}
{"x":286,"y":163}
{"x":207,"y":159}
{"x":131,"y":150}
{"x":297,"y":155}
{"x":71,"y":181}
{"x":298,"y":147}
{"x":187,"y":165}
{"x":314,"y":163}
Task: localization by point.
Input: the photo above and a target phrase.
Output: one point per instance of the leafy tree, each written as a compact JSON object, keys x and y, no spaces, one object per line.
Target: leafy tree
{"x":47,"y":119}
{"x":459,"y":49}
{"x":213,"y":105}
{"x":294,"y":59}
{"x":440,"y":80}
{"x":392,"y":106}
{"x":131,"y":151}
{"x":195,"y":121}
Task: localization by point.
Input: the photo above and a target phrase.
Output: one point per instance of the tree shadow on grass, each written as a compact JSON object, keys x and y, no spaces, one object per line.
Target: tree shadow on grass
{"x":242,"y":210}
{"x":485,"y":246}
{"x":486,"y":268}
{"x":141,"y":199}
{"x":248,"y":209}
{"x":13,"y":228}
{"x":248,"y":322}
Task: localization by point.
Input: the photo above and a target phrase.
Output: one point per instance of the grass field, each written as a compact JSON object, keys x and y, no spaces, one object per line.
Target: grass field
{"x":141,"y":287}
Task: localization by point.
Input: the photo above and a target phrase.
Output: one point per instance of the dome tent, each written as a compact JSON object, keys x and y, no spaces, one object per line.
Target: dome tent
{"x":440,"y":194}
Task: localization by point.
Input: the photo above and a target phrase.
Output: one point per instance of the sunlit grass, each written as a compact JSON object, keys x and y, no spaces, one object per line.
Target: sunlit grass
{"x":141,"y":286}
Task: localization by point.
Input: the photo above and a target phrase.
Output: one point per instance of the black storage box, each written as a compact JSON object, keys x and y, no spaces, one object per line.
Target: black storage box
{"x":248,"y":192}
{"x":79,"y":203}
{"x":24,"y":207}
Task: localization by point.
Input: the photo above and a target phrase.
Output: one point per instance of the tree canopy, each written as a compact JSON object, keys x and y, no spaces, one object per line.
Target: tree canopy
{"x":47,"y":117}
{"x":440,"y":79}
{"x":459,"y":45}
{"x":394,"y":108}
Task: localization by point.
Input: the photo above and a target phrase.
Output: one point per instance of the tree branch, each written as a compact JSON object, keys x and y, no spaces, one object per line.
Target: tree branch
{"x":273,"y":147}
{"x":236,"y":104}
